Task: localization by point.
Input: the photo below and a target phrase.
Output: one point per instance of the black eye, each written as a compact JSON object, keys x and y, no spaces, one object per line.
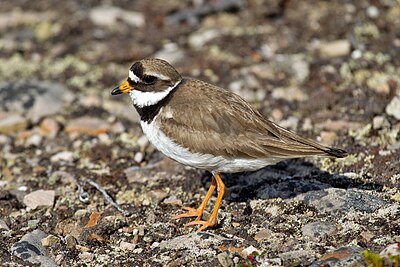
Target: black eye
{"x":149,"y":79}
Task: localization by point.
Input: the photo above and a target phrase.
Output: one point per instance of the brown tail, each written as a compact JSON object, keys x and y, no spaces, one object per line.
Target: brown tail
{"x":336,"y":152}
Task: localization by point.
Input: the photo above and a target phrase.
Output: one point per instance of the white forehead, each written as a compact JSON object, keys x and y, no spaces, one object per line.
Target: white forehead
{"x":133,"y":77}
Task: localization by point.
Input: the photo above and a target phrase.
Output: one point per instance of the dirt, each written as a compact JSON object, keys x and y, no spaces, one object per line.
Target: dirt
{"x":264,"y":45}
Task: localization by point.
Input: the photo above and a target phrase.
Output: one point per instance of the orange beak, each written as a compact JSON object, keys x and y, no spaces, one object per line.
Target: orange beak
{"x":122,"y":89}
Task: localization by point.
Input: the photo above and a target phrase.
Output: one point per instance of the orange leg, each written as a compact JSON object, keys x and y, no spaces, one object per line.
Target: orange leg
{"x":212,"y":221}
{"x":199,"y":211}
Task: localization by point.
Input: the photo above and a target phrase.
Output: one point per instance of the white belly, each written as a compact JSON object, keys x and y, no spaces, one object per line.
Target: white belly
{"x":201,"y":161}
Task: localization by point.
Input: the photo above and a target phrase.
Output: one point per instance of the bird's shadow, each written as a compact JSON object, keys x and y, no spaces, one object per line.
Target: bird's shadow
{"x":285,"y":180}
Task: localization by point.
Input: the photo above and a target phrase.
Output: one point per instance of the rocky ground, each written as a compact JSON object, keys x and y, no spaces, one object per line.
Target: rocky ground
{"x":328,"y":70}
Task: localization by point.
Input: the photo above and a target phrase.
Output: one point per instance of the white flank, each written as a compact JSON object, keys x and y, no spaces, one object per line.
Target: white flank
{"x":133,"y":77}
{"x":144,"y":99}
{"x":201,"y":161}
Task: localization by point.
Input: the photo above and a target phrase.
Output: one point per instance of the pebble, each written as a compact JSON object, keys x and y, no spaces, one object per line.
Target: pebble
{"x":30,"y":249}
{"x":263,"y":234}
{"x":170,"y":52}
{"x":342,"y":257}
{"x":71,"y":241}
{"x":11,"y":122}
{"x":50,"y":240}
{"x":373,"y":12}
{"x":249,"y":250}
{"x":339,"y":125}
{"x":138,"y":158}
{"x":32,"y":224}
{"x":49,"y":128}
{"x":319,"y":231}
{"x":393,"y":108}
{"x":290,"y":94}
{"x":199,"y":38}
{"x":118,"y":109}
{"x":328,"y":138}
{"x":127,"y":245}
{"x":225,"y":260}
{"x":34,"y":99}
{"x":290,"y":123}
{"x":109,"y":16}
{"x":191,"y":241}
{"x":143,"y":142}
{"x":391,"y":251}
{"x":86,"y":256}
{"x":39,"y":198}
{"x":173,"y":200}
{"x":380,"y":122}
{"x":87,"y":125}
{"x":295,"y":256}
{"x":66,"y":156}
{"x":334,"y":49}
{"x":340,"y":200}
{"x":3,"y":225}
{"x":33,"y":140}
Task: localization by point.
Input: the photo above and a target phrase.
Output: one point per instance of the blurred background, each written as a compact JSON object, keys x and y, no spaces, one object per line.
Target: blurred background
{"x":329,"y":70}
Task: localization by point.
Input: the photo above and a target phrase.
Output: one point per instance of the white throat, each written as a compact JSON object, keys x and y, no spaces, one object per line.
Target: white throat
{"x":144,"y":99}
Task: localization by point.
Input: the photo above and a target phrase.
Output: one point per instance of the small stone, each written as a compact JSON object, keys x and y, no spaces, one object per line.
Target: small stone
{"x":3,"y":225}
{"x":393,"y":108}
{"x":290,"y":94}
{"x":34,"y":99}
{"x":225,"y":260}
{"x":49,"y":127}
{"x":80,"y":213}
{"x":33,"y":140}
{"x":86,"y":256}
{"x":367,"y":235}
{"x":87,"y":125}
{"x":90,"y":100}
{"x":30,"y":249}
{"x":66,"y":156}
{"x":199,"y":38}
{"x":138,"y":157}
{"x":39,"y":198}
{"x":32,"y":224}
{"x":118,"y":109}
{"x":341,"y":200}
{"x":373,"y":12}
{"x":143,"y":142}
{"x":307,"y":125}
{"x":334,"y":49}
{"x":328,"y":138}
{"x":380,"y":122}
{"x":318,"y":231}
{"x":50,"y":240}
{"x":263,"y":234}
{"x":345,"y":256}
{"x":171,"y":53}
{"x":82,"y":248}
{"x":158,"y":195}
{"x":249,"y":250}
{"x":11,"y":123}
{"x":173,"y":200}
{"x":109,"y":16}
{"x":71,"y":241}
{"x":127,"y":246}
{"x":190,"y":241}
{"x":392,"y":250}
{"x":290,"y":123}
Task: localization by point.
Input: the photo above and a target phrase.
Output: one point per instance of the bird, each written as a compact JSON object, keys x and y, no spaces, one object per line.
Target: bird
{"x":208,"y":128}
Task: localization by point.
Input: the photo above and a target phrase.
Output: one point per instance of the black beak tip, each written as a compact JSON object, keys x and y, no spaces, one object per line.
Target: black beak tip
{"x":116,"y":91}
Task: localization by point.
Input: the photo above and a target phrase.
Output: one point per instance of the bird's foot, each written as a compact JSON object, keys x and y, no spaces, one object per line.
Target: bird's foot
{"x":204,"y":224}
{"x":191,"y":213}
